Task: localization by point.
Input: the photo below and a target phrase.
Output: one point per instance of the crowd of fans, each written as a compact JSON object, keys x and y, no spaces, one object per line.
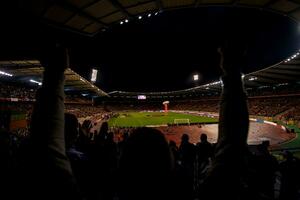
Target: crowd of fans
{"x":19,"y":92}
{"x":272,"y":106}
{"x":110,"y":163}
{"x":262,"y":102}
{"x":64,"y":159}
{"x":82,"y":111}
{"x":258,"y":106}
{"x":101,"y":163}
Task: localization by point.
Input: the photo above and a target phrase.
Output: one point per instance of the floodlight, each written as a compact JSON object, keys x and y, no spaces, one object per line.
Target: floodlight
{"x":126,"y":20}
{"x":5,"y":74}
{"x":121,"y":22}
{"x":252,"y":78}
{"x":196,"y":77}
{"x":140,"y":17}
{"x":149,"y":15}
{"x":33,"y":81}
{"x":142,"y":97}
{"x":94,"y":75}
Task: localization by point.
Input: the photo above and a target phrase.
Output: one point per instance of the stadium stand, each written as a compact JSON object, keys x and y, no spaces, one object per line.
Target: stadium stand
{"x":100,"y":156}
{"x":57,"y":153}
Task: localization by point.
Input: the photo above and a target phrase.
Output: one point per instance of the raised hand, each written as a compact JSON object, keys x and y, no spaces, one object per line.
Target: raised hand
{"x":55,"y":58}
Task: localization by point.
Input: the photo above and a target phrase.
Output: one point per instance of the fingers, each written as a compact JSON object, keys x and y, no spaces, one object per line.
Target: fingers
{"x":54,"y":58}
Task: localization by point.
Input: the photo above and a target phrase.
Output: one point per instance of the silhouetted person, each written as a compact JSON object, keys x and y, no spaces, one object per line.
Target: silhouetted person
{"x":145,"y":166}
{"x":109,"y":162}
{"x":290,"y":175}
{"x":102,"y":134}
{"x":204,"y":150}
{"x":266,"y":167}
{"x":187,"y":155}
{"x":47,"y":170}
{"x":187,"y":151}
{"x":224,"y":180}
{"x":78,"y":159}
{"x":102,"y":155}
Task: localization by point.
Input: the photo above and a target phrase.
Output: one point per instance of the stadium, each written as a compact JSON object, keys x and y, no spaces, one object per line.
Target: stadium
{"x":143,"y":99}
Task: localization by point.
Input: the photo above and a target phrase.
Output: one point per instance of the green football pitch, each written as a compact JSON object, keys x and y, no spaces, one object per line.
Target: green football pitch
{"x":140,"y":119}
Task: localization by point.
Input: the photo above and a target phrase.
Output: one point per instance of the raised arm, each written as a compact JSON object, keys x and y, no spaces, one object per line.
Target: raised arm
{"x":51,"y":168}
{"x":233,"y":114}
{"x":224,"y":179}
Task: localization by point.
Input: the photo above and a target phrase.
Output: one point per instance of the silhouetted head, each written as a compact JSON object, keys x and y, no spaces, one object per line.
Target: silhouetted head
{"x":145,"y":165}
{"x":104,"y":128}
{"x":71,"y":129}
{"x":203,"y":137}
{"x":266,"y":144}
{"x":172,"y":143}
{"x":86,"y":125}
{"x":287,"y":155}
{"x":185,"y":138}
{"x":264,"y":147}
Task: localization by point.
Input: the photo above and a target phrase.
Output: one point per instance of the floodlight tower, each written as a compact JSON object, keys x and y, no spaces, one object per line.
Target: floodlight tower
{"x":166,"y":103}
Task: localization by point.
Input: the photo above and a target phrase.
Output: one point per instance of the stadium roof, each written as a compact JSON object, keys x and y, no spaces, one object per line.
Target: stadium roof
{"x":287,"y":71}
{"x":92,"y":16}
{"x":32,"y":71}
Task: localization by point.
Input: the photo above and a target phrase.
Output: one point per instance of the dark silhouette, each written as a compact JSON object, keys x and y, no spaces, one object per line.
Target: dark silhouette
{"x":187,"y":155}
{"x":145,"y":166}
{"x":204,"y":151}
{"x":290,"y":175}
{"x":46,"y":165}
{"x":187,"y":151}
{"x":224,"y":179}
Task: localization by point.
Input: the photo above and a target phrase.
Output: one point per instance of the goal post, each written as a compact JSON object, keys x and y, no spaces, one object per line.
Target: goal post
{"x":182,"y":121}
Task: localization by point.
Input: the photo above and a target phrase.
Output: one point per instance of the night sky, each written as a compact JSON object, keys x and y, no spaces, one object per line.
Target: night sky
{"x":160,"y":53}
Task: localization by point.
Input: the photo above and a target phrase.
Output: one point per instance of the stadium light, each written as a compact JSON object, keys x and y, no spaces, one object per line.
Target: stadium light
{"x":5,"y":74}
{"x":196,"y":77}
{"x":121,"y":22}
{"x":156,"y":13}
{"x":126,"y":20}
{"x":252,"y":79}
{"x":140,"y":17}
{"x":33,"y":81}
{"x":149,"y":15}
{"x":94,"y":75}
